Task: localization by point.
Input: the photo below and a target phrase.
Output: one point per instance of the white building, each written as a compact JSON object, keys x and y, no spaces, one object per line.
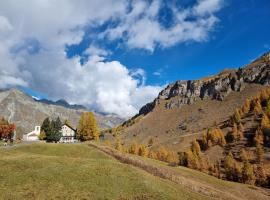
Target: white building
{"x":68,"y":134}
{"x":32,"y":136}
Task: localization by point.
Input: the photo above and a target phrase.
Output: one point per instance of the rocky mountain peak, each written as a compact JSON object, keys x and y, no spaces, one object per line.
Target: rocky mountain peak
{"x":216,"y":87}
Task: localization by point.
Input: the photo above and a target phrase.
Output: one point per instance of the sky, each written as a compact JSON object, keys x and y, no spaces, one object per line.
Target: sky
{"x":114,"y":56}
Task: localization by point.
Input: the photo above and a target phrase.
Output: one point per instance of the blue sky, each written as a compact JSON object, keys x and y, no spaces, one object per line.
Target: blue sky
{"x":116,"y":55}
{"x":241,"y":35}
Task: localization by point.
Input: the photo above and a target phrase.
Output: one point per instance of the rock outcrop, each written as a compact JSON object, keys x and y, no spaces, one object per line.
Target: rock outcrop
{"x":216,"y":87}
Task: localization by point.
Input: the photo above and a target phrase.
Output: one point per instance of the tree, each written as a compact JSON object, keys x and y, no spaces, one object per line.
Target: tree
{"x":265,"y":121}
{"x":87,"y":128}
{"x":257,"y":108}
{"x":119,"y":145}
{"x":134,"y":148}
{"x":260,"y":174}
{"x":243,"y":155}
{"x":150,"y":142}
{"x":232,"y":168}
{"x":248,"y":176}
{"x":240,"y":133}
{"x":259,"y":153}
{"x":54,"y":134}
{"x":42,"y":135}
{"x":46,"y":125}
{"x":195,"y":147}
{"x":258,"y":139}
{"x":143,"y":151}
{"x":236,"y":118}
{"x":246,"y":107}
{"x":6,"y":129}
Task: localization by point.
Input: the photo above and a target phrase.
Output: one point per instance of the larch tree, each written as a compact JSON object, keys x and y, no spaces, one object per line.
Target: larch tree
{"x":195,"y":147}
{"x":87,"y":128}
{"x":248,"y":175}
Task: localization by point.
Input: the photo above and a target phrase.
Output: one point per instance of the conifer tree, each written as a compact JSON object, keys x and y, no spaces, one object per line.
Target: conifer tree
{"x":143,"y":151}
{"x":258,"y":139}
{"x":87,"y":128}
{"x":257,"y":108}
{"x":259,"y":153}
{"x":248,"y":176}
{"x":134,"y":148}
{"x":243,"y":155}
{"x":261,"y":177}
{"x":265,"y":121}
{"x":195,"y":147}
{"x":246,"y":107}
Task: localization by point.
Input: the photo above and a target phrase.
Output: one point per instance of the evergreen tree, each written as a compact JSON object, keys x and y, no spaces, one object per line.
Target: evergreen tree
{"x":46,"y":126}
{"x":87,"y":128}
{"x":54,"y":134}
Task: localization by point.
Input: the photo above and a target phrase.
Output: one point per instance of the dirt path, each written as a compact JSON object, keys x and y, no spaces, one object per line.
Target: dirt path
{"x":193,"y":184}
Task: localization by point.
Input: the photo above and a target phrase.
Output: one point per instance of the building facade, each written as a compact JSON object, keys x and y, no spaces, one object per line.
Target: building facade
{"x":32,"y":136}
{"x":68,"y":134}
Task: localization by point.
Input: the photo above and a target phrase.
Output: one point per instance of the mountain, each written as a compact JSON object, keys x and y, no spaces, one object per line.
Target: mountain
{"x":185,"y":109}
{"x":26,"y":112}
{"x":62,"y":102}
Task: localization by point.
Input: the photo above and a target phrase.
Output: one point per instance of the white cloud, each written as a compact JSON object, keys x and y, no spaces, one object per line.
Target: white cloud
{"x":34,"y":35}
{"x":141,"y":28}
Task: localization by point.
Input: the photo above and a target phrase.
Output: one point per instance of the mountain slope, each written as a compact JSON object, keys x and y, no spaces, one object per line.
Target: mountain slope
{"x":184,"y":109}
{"x":27,"y":112}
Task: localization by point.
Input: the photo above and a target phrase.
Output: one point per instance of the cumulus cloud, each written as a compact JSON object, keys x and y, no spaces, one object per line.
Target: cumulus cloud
{"x":34,"y":36}
{"x":141,"y":28}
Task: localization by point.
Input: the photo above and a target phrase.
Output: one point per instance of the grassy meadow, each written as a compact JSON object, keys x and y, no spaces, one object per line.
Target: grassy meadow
{"x":77,"y":171}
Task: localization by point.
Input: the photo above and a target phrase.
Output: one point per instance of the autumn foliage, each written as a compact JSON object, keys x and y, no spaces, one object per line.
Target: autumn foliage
{"x":6,"y":129}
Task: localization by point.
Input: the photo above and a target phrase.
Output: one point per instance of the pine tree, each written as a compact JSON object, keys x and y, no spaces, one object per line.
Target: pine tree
{"x":229,"y":165}
{"x":248,"y":176}
{"x":87,"y":128}
{"x":46,"y":126}
{"x":54,"y":134}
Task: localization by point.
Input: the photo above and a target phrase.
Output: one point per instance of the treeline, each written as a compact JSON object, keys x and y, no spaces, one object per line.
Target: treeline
{"x":161,"y":154}
{"x":87,"y":128}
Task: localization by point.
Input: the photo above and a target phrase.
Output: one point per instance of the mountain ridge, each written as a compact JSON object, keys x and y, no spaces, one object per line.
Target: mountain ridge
{"x":27,"y":112}
{"x":216,"y":87}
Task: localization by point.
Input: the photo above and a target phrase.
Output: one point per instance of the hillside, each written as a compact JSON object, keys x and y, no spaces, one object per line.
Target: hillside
{"x":81,"y":172}
{"x":27,"y":112}
{"x":55,"y":171}
{"x":184,"y":109}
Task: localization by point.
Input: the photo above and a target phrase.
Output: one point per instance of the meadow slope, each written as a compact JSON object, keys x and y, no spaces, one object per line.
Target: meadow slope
{"x":77,"y":171}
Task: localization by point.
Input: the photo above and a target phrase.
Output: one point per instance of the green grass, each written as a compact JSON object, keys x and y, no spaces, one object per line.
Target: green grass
{"x":77,"y":171}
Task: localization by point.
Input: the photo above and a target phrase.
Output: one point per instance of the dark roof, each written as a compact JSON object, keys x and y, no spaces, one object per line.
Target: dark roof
{"x":70,"y":127}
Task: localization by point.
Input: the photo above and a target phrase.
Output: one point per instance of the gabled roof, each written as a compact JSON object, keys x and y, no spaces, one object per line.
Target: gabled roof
{"x":70,"y":127}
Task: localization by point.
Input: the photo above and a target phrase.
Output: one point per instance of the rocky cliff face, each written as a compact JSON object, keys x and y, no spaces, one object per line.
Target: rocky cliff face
{"x":217,"y":87}
{"x":27,"y":112}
